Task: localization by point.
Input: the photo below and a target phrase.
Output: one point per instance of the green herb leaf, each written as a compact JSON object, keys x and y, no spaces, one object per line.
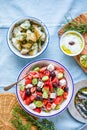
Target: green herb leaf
{"x":18,"y":124}
{"x":80,"y":27}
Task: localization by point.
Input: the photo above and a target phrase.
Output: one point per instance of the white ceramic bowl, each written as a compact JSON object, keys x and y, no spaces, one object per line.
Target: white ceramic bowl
{"x":70,"y":85}
{"x":72,"y":43}
{"x":20,"y":20}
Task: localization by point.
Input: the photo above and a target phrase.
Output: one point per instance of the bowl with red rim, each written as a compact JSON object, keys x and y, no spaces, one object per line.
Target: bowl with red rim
{"x":47,"y":88}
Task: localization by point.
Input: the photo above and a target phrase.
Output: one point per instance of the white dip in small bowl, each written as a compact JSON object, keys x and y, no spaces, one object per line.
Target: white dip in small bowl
{"x":72,"y":43}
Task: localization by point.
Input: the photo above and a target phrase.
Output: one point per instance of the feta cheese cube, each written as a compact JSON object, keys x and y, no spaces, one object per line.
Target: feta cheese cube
{"x":52,"y":95}
{"x":32,"y":106}
{"x":53,"y":106}
{"x":40,"y":84}
{"x":62,"y":82}
{"x":29,"y":86}
{"x":50,"y":67}
{"x":56,"y":72}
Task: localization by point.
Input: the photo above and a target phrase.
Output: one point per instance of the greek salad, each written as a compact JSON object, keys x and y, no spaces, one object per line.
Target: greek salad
{"x":45,"y":88}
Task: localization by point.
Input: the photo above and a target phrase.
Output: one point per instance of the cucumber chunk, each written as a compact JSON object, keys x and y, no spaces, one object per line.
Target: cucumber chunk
{"x":34,"y":81}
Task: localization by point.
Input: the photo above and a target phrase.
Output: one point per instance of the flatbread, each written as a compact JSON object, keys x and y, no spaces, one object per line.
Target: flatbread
{"x":7,"y":102}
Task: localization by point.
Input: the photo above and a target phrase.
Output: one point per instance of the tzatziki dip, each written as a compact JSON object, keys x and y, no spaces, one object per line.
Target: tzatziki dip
{"x":72,"y":43}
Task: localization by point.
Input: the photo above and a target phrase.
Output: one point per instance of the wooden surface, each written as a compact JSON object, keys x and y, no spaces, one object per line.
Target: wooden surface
{"x":7,"y":102}
{"x":83,"y":19}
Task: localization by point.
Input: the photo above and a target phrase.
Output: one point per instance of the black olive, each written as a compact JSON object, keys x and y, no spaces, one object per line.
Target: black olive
{"x":39,"y":89}
{"x":52,"y":74}
{"x":66,"y":89}
{"x":71,"y":43}
{"x":55,"y":85}
{"x":50,"y":100}
{"x":28,"y":92}
{"x":39,"y":98}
